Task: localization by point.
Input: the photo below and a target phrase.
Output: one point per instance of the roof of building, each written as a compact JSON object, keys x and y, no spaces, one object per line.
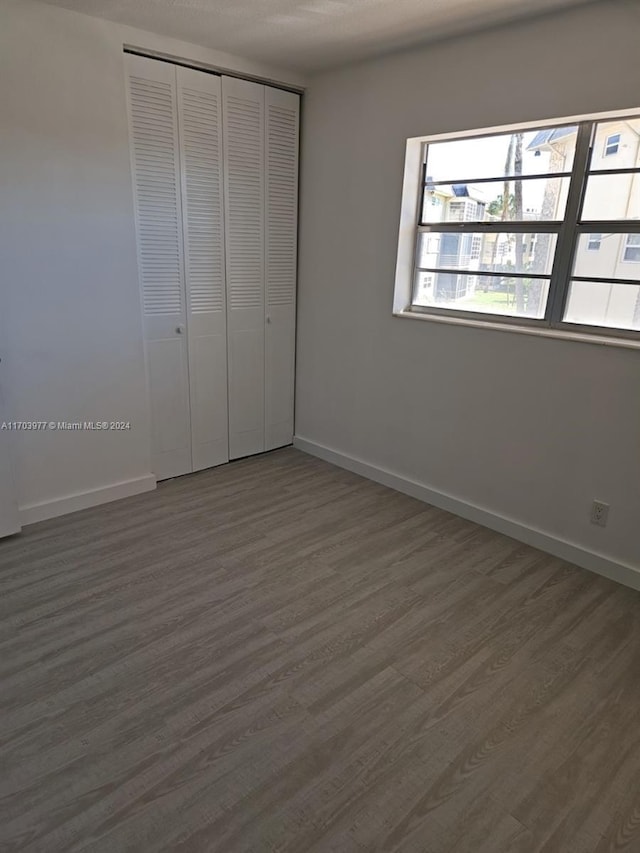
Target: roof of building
{"x":544,"y":137}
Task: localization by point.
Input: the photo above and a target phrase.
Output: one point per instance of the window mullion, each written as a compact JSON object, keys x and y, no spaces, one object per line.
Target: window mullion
{"x":525,"y":226}
{"x":609,"y":226}
{"x":568,"y":237}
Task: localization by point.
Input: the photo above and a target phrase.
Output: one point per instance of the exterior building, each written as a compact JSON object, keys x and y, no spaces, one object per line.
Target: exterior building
{"x":460,"y":252}
{"x":467,"y":253}
{"x":617,"y":196}
{"x":598,"y":255}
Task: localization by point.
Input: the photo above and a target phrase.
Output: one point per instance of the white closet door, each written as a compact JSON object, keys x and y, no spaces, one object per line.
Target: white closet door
{"x":281,"y":198}
{"x":200,"y":129}
{"x":156,"y":180}
{"x":243,"y":107}
{"x":9,"y":516}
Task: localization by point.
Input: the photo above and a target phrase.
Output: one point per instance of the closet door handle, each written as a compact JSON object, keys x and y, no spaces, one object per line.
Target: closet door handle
{"x":179,"y":330}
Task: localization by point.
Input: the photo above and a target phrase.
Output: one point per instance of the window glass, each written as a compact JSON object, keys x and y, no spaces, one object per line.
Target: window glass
{"x":532,"y":152}
{"x":632,"y":250}
{"x":614,"y":260}
{"x":619,"y":138}
{"x":499,"y":201}
{"x":612,"y":197}
{"x":612,"y":144}
{"x":493,"y":234}
{"x":607,"y":304}
{"x":502,"y":252}
{"x":485,"y":294}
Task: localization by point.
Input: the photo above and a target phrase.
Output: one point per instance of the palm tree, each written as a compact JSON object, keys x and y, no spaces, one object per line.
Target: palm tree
{"x":511,"y":208}
{"x":503,"y":207}
{"x":517,"y":171}
{"x":498,"y":208}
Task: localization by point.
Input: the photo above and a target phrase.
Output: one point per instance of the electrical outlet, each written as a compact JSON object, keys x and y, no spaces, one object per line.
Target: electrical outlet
{"x":599,"y":513}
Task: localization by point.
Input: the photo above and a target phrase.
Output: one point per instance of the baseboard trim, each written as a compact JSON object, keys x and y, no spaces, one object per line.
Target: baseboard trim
{"x":83,"y":500}
{"x":602,"y":565}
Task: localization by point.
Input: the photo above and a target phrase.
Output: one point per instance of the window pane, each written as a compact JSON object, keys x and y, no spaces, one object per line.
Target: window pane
{"x":494,"y":252}
{"x":604,"y":304}
{"x":538,"y":199}
{"x":612,"y":197}
{"x":616,"y":145}
{"x":529,"y":153}
{"x":618,"y":256}
{"x":483,"y":293}
{"x":631,"y":252}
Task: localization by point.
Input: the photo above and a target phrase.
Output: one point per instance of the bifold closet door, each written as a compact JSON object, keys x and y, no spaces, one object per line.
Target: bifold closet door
{"x":200,"y":131}
{"x":243,"y":123}
{"x":175,"y":118}
{"x":281,"y":224}
{"x":153,"y":123}
{"x":215,"y":167}
{"x":9,"y":515}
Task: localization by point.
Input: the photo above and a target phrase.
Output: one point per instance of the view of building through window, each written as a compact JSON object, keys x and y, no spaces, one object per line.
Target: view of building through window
{"x":516,"y":186}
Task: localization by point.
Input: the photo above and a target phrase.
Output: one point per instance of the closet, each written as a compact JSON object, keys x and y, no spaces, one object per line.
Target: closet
{"x":215,"y":176}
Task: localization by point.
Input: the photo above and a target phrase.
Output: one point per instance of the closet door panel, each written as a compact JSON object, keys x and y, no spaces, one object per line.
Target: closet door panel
{"x":279,"y":377}
{"x":169,"y":392}
{"x":9,"y":513}
{"x":243,"y":109}
{"x":156,"y":181}
{"x":208,"y":375}
{"x":200,"y":128}
{"x":246,"y":389}
{"x":281,"y":222}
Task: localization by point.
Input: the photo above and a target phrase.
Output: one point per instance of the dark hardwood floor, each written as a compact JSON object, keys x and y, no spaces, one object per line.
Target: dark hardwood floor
{"x":277,"y":655}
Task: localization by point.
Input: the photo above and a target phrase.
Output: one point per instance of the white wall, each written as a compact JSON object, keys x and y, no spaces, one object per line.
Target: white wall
{"x":528,"y":428}
{"x":73,"y":344}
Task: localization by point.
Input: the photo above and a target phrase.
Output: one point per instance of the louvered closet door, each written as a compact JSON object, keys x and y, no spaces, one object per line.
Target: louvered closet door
{"x":156,"y":179}
{"x":9,"y":515}
{"x":200,"y":128}
{"x":243,"y":122}
{"x":281,"y":222}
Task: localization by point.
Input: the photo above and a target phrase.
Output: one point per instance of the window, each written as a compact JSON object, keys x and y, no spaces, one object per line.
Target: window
{"x":612,"y":144}
{"x":632,"y":248}
{"x":518,"y":227}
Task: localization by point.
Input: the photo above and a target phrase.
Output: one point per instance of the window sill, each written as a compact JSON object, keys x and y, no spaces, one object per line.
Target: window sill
{"x":561,"y":334}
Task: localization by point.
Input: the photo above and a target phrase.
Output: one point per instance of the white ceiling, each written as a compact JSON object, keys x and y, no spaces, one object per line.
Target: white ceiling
{"x":310,"y":35}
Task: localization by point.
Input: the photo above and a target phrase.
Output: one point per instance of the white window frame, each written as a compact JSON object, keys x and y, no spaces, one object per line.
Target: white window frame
{"x":629,"y":245}
{"x":594,"y":242}
{"x":614,"y":145}
{"x":569,"y":230}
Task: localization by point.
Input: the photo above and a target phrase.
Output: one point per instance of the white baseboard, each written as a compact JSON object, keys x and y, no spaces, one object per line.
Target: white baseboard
{"x":83,"y":500}
{"x":620,"y":572}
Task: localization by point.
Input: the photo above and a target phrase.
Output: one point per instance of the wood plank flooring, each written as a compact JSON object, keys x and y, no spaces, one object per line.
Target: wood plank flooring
{"x":277,"y":655}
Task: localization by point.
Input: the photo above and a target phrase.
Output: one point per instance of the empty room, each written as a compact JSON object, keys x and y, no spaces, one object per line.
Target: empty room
{"x":320,"y":426}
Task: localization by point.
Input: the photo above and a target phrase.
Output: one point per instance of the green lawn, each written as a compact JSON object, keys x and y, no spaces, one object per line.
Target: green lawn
{"x":495,"y":297}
